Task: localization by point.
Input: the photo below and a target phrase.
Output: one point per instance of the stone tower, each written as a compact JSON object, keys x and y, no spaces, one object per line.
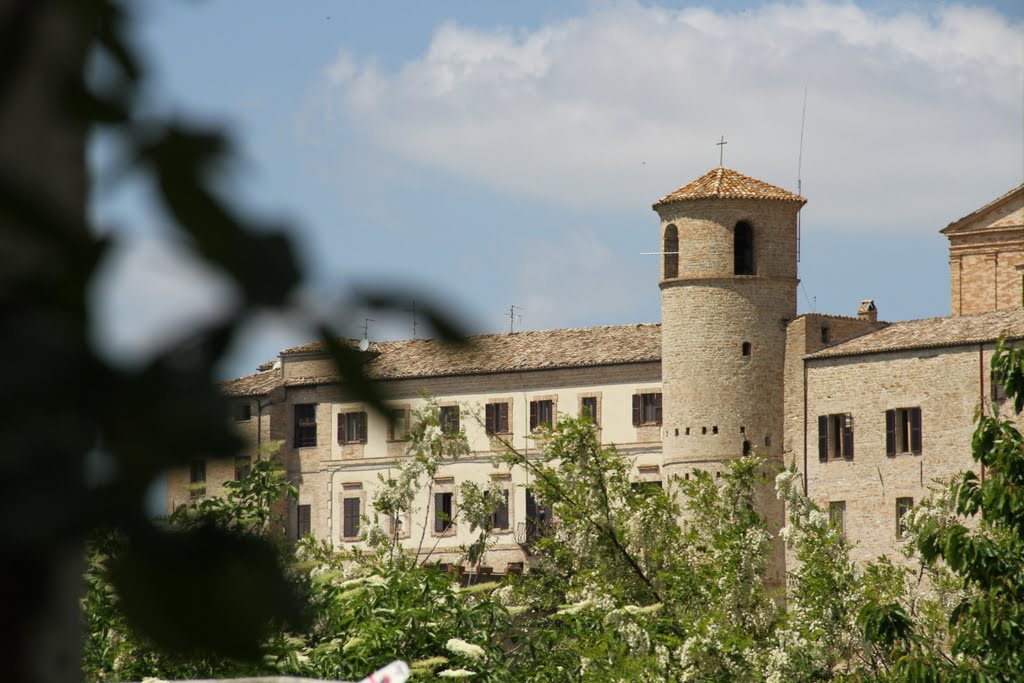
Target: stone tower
{"x":726,"y":298}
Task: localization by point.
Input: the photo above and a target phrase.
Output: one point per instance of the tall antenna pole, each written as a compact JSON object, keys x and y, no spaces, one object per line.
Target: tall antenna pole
{"x":512,"y":317}
{"x":366,"y":328}
{"x":414,"y":323}
{"x":799,"y":169}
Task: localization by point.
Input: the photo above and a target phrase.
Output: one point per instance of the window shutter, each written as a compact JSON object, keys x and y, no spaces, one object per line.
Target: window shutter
{"x":890,"y":433}
{"x":637,"y":417}
{"x":501,"y":514}
{"x":823,"y":438}
{"x":534,"y":418}
{"x":490,"y":422}
{"x":341,"y":428}
{"x":439,"y":522}
{"x":915,"y":430}
{"x":657,"y":408}
{"x":361,"y":419}
{"x":503,"y":418}
{"x":455,"y":420}
{"x":848,"y":437}
{"x":351,"y":521}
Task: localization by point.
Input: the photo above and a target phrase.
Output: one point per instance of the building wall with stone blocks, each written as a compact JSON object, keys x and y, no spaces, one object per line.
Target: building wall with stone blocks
{"x":986,"y":257}
{"x":946,"y":384}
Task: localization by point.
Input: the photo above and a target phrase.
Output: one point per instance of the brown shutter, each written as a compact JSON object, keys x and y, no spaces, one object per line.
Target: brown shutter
{"x":362,"y":427}
{"x":455,"y":419}
{"x":351,"y":517}
{"x":657,"y":408}
{"x":439,"y":521}
{"x":890,"y":433}
{"x":341,"y":428}
{"x":500,"y":518}
{"x":848,"y":437}
{"x":490,"y":423}
{"x":823,"y":438}
{"x":534,"y":418}
{"x":915,"y":430}
{"x":503,"y":418}
{"x":637,"y":417}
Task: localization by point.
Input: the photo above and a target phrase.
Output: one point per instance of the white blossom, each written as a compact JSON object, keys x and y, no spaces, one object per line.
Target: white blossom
{"x":461,"y":647}
{"x":456,"y":673}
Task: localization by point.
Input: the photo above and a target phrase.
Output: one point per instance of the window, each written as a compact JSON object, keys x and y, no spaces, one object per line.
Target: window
{"x":242,"y":411}
{"x":449,"y":420}
{"x":903,"y":506}
{"x":499,"y":519}
{"x":588,"y":408}
{"x":647,"y":487}
{"x":542,"y":414}
{"x":352,"y":427}
{"x":305,"y":425}
{"x":496,"y":418}
{"x":302,"y":521}
{"x":743,"y":249}
{"x":998,"y":391}
{"x":835,"y":437}
{"x":837,"y":516}
{"x":197,"y":479}
{"x":243,"y":466}
{"x":538,"y":518}
{"x":826,"y":335}
{"x":745,"y":348}
{"x":398,"y":429}
{"x":746,"y":447}
{"x":903,"y":431}
{"x":350,"y":517}
{"x":443,"y":508}
{"x":671,"y":252}
{"x":646,"y":409}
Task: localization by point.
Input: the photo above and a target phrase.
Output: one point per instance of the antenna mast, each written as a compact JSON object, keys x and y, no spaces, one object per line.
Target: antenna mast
{"x":512,"y":317}
{"x":799,"y":169}
{"x":414,"y":323}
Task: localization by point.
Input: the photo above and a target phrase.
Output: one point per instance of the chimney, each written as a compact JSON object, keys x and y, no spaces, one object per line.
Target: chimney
{"x":867,"y":311}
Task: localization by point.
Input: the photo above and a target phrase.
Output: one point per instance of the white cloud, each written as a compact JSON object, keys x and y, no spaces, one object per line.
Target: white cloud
{"x":920,"y":115}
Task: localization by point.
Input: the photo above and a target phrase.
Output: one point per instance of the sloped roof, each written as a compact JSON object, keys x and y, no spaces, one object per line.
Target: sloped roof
{"x":493,"y":353}
{"x":961,"y":223}
{"x":957,"y":330}
{"x":725,"y":183}
{"x":259,"y":384}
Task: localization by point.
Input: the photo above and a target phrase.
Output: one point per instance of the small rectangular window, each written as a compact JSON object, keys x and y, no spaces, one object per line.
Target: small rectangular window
{"x":398,"y":430}
{"x":646,"y":409}
{"x":443,"y":509}
{"x":588,"y":408}
{"x":352,"y":427}
{"x":496,"y":418}
{"x":242,"y":411}
{"x":826,"y":335}
{"x":835,"y":437}
{"x":538,"y":518}
{"x":197,"y":479}
{"x":542,"y":414}
{"x":903,"y":431}
{"x":350,"y":522}
{"x":449,"y":420}
{"x":837,"y":515}
{"x":305,"y":425}
{"x":499,"y":519}
{"x":998,"y":391}
{"x":302,"y":521}
{"x":903,"y":506}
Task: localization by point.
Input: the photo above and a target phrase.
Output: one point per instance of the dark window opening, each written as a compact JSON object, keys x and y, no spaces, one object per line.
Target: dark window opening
{"x":703,"y":430}
{"x":671,"y":252}
{"x":197,"y":479}
{"x":826,"y":335}
{"x":352,"y":427}
{"x":835,"y":437}
{"x":449,"y":420}
{"x":243,"y":411}
{"x":687,"y":431}
{"x":302,"y":524}
{"x":499,"y":518}
{"x":542,"y":414}
{"x":538,"y":518}
{"x":714,"y":429}
{"x":305,"y":425}
{"x":903,"y":431}
{"x":767,"y":441}
{"x":350,"y":521}
{"x":903,"y":506}
{"x":745,"y":349}
{"x":496,"y":418}
{"x":743,"y":249}
{"x":443,"y":520}
{"x":243,"y":466}
{"x":399,"y":426}
{"x":588,"y":408}
{"x":746,"y":447}
{"x":646,"y":409}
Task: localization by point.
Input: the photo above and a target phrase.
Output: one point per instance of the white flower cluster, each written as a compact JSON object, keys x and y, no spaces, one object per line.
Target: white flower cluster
{"x":467,"y":650}
{"x":817,"y":519}
{"x":456,"y":673}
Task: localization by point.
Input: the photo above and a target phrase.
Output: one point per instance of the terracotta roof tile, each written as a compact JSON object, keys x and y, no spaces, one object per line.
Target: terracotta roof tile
{"x":259,"y":384}
{"x":724,"y":183}
{"x":491,"y":353}
{"x":957,"y":330}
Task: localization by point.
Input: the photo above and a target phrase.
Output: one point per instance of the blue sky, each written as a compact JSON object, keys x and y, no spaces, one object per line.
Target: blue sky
{"x":490,"y":154}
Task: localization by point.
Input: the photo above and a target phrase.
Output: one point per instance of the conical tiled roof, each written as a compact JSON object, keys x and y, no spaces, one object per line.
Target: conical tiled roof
{"x":725,"y":183}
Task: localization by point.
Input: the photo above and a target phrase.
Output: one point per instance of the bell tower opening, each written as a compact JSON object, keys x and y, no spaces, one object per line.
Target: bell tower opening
{"x":670,"y":251}
{"x":743,"y":249}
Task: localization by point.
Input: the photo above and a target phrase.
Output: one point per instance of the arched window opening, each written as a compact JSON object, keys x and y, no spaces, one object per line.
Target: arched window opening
{"x":746,"y":447}
{"x":743,"y":248}
{"x":671,"y":252}
{"x":745,"y":348}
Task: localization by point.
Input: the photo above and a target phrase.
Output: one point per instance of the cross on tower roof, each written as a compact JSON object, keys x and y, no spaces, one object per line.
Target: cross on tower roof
{"x":721,"y":149}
